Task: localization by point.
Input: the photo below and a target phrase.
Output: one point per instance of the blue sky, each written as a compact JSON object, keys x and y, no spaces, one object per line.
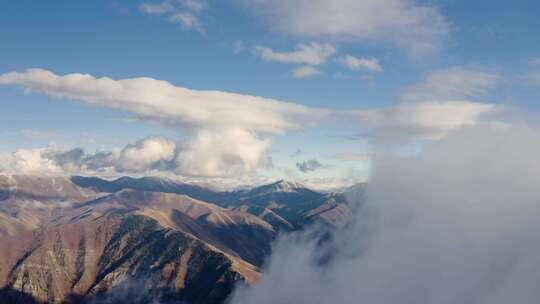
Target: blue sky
{"x":216,"y":46}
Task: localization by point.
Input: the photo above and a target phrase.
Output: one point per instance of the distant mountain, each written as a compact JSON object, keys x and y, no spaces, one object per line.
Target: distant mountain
{"x":295,"y":203}
{"x":286,"y":205}
{"x":155,"y":185}
{"x":81,"y":244}
{"x":84,"y":238}
{"x":235,"y":232}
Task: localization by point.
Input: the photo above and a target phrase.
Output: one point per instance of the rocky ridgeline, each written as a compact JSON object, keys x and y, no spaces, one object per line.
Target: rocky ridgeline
{"x":80,"y":240}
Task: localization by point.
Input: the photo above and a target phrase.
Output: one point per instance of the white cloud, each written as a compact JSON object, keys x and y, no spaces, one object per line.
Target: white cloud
{"x":360,"y":64}
{"x":305,"y":72}
{"x":194,"y":5}
{"x":417,"y":28}
{"x":28,"y":161}
{"x":145,"y":154}
{"x":453,"y":83}
{"x":312,"y":54}
{"x":439,"y":104}
{"x":456,"y":224}
{"x":225,"y":152}
{"x":184,"y":12}
{"x":160,"y":100}
{"x":151,"y":154}
{"x":187,"y":20}
{"x":227,"y":132}
{"x":424,"y":120}
{"x":54,"y":161}
{"x":200,"y":112}
{"x":156,"y":8}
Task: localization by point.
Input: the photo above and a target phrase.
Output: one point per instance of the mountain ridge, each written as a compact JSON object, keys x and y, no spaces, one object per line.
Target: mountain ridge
{"x":63,"y":239}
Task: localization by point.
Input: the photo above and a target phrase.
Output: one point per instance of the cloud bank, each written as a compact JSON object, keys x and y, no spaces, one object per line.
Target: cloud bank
{"x":444,"y":101}
{"x":455,"y":224}
{"x":149,"y":154}
{"x":229,"y":126}
{"x":423,"y":120}
{"x":228,"y":134}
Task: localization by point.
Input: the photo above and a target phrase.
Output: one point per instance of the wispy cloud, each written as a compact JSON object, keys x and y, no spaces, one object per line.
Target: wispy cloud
{"x":454,"y":83}
{"x":360,"y":64}
{"x":423,"y":120}
{"x":309,"y":55}
{"x":306,"y":72}
{"x":183,"y":12}
{"x":415,"y":27}
{"x":156,"y":9}
{"x":312,"y":54}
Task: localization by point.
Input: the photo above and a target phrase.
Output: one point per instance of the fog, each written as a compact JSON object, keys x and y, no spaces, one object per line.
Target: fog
{"x":457,"y":223}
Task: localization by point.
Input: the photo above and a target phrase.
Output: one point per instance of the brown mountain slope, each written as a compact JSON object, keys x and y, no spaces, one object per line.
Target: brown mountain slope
{"x":85,"y":257}
{"x":65,"y":242}
{"x":68,"y":245}
{"x":285,"y":205}
{"x":234,"y":232}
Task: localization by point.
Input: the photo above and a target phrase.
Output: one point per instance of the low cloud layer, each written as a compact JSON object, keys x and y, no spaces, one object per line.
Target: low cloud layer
{"x":456,"y":224}
{"x":151,"y":155}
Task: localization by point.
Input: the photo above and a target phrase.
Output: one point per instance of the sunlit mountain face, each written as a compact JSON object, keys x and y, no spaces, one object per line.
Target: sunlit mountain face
{"x":89,"y":239}
{"x":263,"y":152}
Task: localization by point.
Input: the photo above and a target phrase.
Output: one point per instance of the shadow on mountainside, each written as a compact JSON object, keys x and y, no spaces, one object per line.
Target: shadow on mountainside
{"x":9,"y":295}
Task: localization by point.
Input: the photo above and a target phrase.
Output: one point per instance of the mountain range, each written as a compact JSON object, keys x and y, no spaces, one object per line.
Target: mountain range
{"x":91,"y":240}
